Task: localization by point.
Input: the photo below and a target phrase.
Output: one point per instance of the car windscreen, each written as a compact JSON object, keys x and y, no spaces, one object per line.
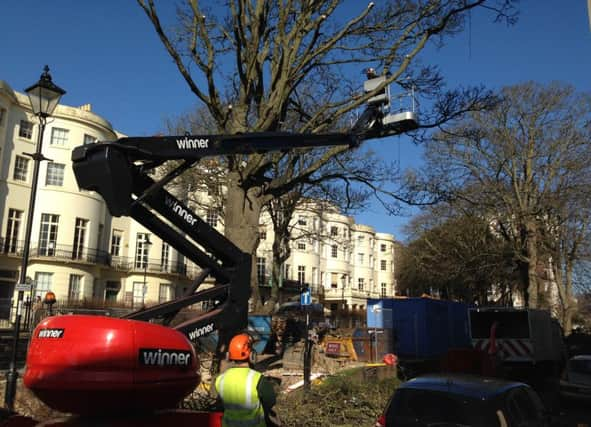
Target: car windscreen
{"x":510,"y":324}
{"x":432,"y":407}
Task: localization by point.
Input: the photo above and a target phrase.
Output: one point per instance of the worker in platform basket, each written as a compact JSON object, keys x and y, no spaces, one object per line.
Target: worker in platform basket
{"x":247,"y":396}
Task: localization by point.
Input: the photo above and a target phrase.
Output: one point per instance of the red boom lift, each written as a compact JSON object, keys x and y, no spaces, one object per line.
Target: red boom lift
{"x":129,"y":371}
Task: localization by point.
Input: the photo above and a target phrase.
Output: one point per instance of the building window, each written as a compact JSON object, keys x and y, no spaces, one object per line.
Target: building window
{"x":262,"y":234}
{"x":2,"y":116}
{"x":55,"y":174}
{"x":301,"y":274}
{"x":42,"y":284}
{"x":360,"y":283}
{"x":334,"y":251}
{"x":334,"y":231}
{"x":142,"y":249}
{"x":360,"y":258}
{"x":287,"y":272}
{"x":164,"y":293}
{"x":99,"y":236}
{"x":25,"y":129}
{"x":48,"y":234}
{"x":164,"y":257}
{"x":302,"y":220}
{"x":79,"y":237}
{"x":21,"y":168}
{"x":334,"y":280}
{"x":59,"y":136}
{"x":74,"y":287}
{"x":383,"y":247}
{"x":261,"y":272}
{"x":138,"y":293}
{"x":360,"y":239}
{"x":211,"y":217}
{"x":112,"y":289}
{"x":383,"y":265}
{"x":301,"y":246}
{"x":13,"y":226}
{"x":89,"y":139}
{"x":116,"y":240}
{"x":384,"y":289}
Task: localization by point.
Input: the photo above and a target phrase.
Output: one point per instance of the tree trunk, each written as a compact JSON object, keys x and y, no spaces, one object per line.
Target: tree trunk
{"x":531,"y":299}
{"x":569,"y":303}
{"x":280,"y":254}
{"x":242,"y":214}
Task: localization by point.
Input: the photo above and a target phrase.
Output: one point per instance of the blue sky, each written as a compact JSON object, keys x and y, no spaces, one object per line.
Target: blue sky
{"x":106,"y":53}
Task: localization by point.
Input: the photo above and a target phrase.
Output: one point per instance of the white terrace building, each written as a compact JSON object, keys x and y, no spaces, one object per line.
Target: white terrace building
{"x":345,"y":262}
{"x":79,"y":251}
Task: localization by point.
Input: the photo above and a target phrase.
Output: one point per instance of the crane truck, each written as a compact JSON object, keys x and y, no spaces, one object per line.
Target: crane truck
{"x":133,"y":371}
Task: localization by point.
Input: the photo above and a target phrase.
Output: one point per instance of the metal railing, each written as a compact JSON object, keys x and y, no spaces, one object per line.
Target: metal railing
{"x":12,"y":247}
{"x":130,"y":264}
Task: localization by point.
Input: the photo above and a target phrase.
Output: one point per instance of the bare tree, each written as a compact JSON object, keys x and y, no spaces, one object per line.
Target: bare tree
{"x":566,"y":240}
{"x":456,"y":255}
{"x":525,"y":164}
{"x":252,"y":62}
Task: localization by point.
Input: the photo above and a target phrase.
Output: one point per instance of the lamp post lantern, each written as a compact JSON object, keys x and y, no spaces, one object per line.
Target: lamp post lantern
{"x":44,"y":97}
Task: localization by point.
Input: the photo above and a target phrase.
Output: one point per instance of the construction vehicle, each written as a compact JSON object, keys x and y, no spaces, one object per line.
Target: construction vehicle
{"x":135,"y":370}
{"x":525,"y":341}
{"x":432,"y":335}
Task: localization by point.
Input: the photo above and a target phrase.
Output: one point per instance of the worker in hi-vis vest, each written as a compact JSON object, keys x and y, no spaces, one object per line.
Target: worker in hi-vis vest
{"x":247,"y":396}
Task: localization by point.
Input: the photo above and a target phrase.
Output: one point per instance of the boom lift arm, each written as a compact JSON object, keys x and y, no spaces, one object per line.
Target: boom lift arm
{"x":118,"y":171}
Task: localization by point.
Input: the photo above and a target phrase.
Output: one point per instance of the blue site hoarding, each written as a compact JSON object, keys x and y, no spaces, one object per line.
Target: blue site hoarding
{"x":260,"y":327}
{"x":423,"y":328}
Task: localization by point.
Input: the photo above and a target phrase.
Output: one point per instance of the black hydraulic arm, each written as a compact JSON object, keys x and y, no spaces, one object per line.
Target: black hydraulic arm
{"x":118,"y":171}
{"x":196,"y":147}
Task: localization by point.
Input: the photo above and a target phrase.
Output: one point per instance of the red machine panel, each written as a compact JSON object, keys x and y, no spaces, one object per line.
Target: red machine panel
{"x":101,"y":365}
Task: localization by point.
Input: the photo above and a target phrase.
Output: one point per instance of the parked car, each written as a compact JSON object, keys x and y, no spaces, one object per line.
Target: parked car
{"x":463,"y":400}
{"x":576,"y":381}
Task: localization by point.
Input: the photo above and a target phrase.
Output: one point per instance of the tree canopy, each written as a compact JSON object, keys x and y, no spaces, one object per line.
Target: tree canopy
{"x":525,"y":166}
{"x":274,"y":65}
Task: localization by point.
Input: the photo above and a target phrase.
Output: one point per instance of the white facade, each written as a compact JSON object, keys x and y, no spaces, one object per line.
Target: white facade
{"x":78,"y":250}
{"x":346,"y":263}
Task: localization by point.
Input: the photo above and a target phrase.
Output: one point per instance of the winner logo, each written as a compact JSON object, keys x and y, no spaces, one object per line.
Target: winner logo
{"x":190,"y":143}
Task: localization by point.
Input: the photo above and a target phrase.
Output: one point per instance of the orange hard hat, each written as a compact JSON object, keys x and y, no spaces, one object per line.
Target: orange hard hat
{"x":240,"y":347}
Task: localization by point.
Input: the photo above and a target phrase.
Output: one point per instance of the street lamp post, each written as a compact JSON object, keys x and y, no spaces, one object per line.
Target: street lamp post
{"x":44,"y":97}
{"x":148,"y":244}
{"x":344,"y":303}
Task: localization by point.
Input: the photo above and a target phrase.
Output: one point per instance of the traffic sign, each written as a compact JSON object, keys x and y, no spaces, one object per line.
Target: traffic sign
{"x":25,"y":287}
{"x":305,"y":297}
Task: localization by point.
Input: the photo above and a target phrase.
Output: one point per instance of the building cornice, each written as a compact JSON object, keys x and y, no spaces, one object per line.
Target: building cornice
{"x":7,"y":91}
{"x":66,"y":112}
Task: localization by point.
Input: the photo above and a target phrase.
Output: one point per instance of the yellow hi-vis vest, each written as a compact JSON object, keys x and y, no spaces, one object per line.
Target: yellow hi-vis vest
{"x":238,"y":389}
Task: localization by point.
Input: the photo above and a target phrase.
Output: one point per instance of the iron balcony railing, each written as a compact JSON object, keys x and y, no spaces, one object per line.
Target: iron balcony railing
{"x":55,"y":252}
{"x":51,"y":250}
{"x":151,"y":266}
